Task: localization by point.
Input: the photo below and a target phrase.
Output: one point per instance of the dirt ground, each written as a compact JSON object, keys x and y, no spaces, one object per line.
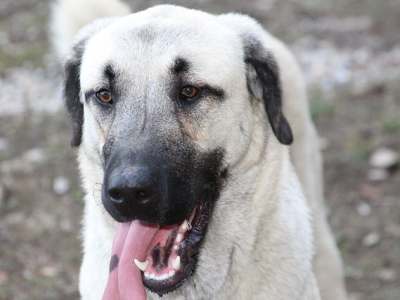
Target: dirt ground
{"x":350,"y":53}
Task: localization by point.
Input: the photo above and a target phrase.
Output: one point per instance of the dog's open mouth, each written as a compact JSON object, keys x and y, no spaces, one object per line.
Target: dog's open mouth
{"x":173,"y":252}
{"x":159,"y":258}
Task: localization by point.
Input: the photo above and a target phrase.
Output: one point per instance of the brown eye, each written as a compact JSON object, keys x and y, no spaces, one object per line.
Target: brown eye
{"x":104,"y":96}
{"x":189,"y":92}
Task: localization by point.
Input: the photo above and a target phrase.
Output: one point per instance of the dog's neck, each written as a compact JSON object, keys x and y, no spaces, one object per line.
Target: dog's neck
{"x":259,"y":172}
{"x":262,"y":185}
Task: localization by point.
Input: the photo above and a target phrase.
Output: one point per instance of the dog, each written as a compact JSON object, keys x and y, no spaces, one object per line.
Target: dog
{"x":198,"y":156}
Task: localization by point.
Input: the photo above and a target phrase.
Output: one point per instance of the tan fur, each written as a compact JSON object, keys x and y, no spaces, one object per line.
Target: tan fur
{"x":194,"y":133}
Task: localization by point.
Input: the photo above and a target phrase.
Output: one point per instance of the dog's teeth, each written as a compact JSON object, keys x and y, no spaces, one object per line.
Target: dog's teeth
{"x":176,"y":264}
{"x":186,"y":225}
{"x":179,"y":238}
{"x":142,"y":265}
{"x":176,"y":247}
{"x":183,"y":226}
{"x":171,"y":273}
{"x":161,"y":277}
{"x":192,"y":216}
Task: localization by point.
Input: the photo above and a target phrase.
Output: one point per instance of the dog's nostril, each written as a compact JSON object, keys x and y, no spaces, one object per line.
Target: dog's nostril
{"x":116,"y":195}
{"x":142,"y":196}
{"x":132,"y":187}
{"x":119,"y":195}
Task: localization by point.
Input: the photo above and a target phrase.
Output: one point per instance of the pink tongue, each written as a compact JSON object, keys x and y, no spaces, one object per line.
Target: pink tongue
{"x":131,"y":241}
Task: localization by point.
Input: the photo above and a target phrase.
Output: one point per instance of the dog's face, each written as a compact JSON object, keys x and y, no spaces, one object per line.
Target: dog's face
{"x":164,"y":102}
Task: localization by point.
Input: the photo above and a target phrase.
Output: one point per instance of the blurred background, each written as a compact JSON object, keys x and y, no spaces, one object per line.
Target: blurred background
{"x":350,"y":53}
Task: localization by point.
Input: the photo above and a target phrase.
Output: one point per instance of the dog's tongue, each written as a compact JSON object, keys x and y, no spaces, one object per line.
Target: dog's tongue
{"x":131,"y":241}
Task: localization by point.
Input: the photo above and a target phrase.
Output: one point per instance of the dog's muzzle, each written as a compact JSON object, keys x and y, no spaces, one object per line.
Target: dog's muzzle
{"x":132,"y":191}
{"x":148,"y":186}
{"x":165,"y":202}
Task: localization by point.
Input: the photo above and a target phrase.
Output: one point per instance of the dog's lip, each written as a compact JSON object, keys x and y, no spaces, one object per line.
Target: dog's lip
{"x":186,"y":246}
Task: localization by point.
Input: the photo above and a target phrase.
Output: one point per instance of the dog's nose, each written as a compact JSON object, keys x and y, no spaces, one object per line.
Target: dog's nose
{"x":134,"y":186}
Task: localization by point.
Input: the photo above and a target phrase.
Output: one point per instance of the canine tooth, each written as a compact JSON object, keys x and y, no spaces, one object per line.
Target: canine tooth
{"x":176,"y":264}
{"x":192,"y":216}
{"x":186,"y":225}
{"x":176,"y":247}
{"x":142,"y":265}
{"x":179,"y":237}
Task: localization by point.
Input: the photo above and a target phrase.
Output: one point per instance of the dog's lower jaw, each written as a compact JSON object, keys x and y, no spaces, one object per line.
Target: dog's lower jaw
{"x":258,"y":273}
{"x":252,"y":266}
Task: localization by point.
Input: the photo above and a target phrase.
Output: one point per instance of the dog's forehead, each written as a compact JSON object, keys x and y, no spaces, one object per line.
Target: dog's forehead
{"x":150,"y":42}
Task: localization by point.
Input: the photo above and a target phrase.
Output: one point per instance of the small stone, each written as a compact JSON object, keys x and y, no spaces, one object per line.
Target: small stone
{"x":49,"y":271}
{"x":14,"y":218}
{"x":364,"y":209}
{"x":356,"y":296}
{"x":371,"y":239}
{"x":387,"y":275}
{"x":384,"y":158}
{"x":4,"y":144}
{"x":377,"y":175}
{"x":359,"y":87}
{"x":353,"y":273}
{"x":35,"y":156}
{"x":66,"y":225}
{"x":3,"y":277}
{"x":370,"y":192}
{"x":393,"y":230}
{"x":28,"y":274}
{"x":2,"y":194}
{"x":61,"y":185}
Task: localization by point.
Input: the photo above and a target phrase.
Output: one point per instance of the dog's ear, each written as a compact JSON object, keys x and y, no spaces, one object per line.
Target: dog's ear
{"x":72,"y":91}
{"x":263,"y":82}
{"x":72,"y":86}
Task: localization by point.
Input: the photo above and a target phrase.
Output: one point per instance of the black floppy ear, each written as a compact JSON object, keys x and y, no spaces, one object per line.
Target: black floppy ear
{"x":267,"y":77}
{"x":72,"y":91}
{"x":72,"y":86}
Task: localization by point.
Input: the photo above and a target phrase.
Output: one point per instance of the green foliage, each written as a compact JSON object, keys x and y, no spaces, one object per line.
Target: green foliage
{"x":319,"y":106}
{"x":391,"y":125}
{"x":358,"y":148}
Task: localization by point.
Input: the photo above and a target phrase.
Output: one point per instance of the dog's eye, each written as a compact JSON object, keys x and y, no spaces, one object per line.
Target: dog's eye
{"x":189,"y":92}
{"x":104,"y":96}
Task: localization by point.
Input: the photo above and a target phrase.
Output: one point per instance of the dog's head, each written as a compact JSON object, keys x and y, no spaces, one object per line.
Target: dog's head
{"x":164,"y":100}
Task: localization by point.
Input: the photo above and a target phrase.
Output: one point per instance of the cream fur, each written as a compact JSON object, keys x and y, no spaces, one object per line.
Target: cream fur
{"x":272,"y":255}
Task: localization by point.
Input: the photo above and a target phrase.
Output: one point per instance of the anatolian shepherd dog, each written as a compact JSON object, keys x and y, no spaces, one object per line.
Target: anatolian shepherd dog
{"x":183,"y":121}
